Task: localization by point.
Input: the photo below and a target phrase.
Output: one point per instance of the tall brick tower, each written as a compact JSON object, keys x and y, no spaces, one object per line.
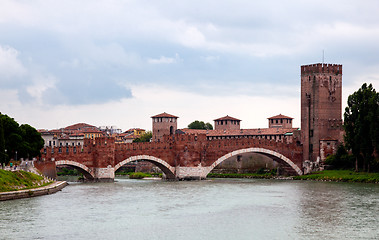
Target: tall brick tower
{"x":163,"y":124}
{"x":321,"y":109}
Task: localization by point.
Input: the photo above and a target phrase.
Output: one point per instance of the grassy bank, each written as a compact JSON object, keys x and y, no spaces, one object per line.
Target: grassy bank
{"x":12,"y":181}
{"x":341,"y":176}
{"x":240,"y":175}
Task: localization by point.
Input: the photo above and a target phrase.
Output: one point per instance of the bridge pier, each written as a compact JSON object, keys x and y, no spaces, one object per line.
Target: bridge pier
{"x":191,"y":173}
{"x":103,"y":174}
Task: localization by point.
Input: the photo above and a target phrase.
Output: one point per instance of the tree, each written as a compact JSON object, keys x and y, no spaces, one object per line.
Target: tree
{"x":144,"y":137}
{"x":3,"y":154}
{"x":24,"y":139}
{"x":200,"y":125}
{"x":361,"y":124}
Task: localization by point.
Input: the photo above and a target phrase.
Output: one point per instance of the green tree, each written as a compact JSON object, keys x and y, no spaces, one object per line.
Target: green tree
{"x":3,"y":154}
{"x":24,"y":139}
{"x":361,"y":124}
{"x":200,"y":125}
{"x":144,"y":137}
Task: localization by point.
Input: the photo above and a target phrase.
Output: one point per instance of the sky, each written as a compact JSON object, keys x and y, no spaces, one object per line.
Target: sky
{"x":119,"y":62}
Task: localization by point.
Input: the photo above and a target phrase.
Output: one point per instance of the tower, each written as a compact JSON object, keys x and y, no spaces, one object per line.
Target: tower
{"x":321,"y":109}
{"x":227,"y":123}
{"x":163,"y":124}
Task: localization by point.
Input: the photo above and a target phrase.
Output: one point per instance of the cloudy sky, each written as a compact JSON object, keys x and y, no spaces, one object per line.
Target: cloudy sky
{"x":116,"y":62}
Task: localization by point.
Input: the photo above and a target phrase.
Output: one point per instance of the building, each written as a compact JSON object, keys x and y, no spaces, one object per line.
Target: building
{"x":163,"y":124}
{"x":280,"y":121}
{"x":227,"y":123}
{"x":280,"y":129}
{"x":321,"y":110}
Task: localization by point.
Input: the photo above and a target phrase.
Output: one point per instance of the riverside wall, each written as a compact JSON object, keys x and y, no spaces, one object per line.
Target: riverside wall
{"x":34,"y":192}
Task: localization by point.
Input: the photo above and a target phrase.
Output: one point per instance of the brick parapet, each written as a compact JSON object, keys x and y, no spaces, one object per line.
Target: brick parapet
{"x":321,"y":68}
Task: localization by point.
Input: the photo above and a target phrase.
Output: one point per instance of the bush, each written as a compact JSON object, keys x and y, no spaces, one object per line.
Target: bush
{"x":341,"y":160}
{"x":139,"y":175}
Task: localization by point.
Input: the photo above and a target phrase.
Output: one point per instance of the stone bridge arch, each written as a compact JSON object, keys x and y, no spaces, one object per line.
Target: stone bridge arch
{"x":87,"y":172}
{"x":270,"y":153}
{"x":168,"y":170}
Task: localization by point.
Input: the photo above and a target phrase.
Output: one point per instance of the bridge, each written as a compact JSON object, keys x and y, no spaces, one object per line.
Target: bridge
{"x":179,"y":156}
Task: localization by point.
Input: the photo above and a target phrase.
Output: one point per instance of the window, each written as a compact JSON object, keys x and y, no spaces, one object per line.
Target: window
{"x":53,"y":143}
{"x":49,"y":143}
{"x":60,"y":150}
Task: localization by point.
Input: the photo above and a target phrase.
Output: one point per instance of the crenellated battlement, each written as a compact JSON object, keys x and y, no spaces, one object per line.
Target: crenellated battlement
{"x":321,"y":68}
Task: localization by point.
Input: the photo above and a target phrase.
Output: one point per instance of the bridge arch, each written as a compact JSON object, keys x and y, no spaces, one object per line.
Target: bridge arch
{"x":267,"y":152}
{"x":168,"y":170}
{"x":83,"y":168}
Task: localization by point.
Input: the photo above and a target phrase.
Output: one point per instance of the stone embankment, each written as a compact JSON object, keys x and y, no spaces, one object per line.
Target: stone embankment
{"x":49,"y":189}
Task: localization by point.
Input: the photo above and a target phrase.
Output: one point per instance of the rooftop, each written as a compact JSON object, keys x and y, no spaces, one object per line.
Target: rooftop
{"x":280,"y":116}
{"x":227,"y":117}
{"x":164,"y":115}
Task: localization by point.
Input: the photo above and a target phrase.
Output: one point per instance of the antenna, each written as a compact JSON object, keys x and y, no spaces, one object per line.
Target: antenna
{"x":323,"y":57}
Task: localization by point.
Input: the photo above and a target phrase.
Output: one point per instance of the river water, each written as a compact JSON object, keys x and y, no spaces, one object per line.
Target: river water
{"x":211,"y":209}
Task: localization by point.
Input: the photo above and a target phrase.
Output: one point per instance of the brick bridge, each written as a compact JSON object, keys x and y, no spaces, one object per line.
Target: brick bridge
{"x":179,"y":156}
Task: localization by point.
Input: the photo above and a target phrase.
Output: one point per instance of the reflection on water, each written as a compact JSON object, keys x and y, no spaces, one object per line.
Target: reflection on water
{"x":212,"y":209}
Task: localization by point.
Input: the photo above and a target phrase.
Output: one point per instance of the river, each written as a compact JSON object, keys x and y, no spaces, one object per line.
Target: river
{"x":211,"y":209}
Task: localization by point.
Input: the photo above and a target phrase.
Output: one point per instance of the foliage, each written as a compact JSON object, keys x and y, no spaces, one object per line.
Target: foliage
{"x":341,"y":176}
{"x":144,"y":137}
{"x":200,"y":125}
{"x":3,"y":156}
{"x":139,"y":175}
{"x":341,"y":160}
{"x":361,"y":123}
{"x":12,"y":181}
{"x":24,"y":139}
{"x":259,"y":174}
{"x":68,"y":172}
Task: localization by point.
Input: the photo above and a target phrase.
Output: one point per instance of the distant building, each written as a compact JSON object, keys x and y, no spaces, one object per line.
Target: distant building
{"x":110,"y":130}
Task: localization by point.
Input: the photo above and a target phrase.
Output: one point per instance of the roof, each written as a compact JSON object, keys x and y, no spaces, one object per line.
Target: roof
{"x":279,"y":116}
{"x":227,"y":117}
{"x":241,"y":132}
{"x":195,"y":131}
{"x":250,"y":132}
{"x":134,"y":129}
{"x":162,"y":115}
{"x":79,"y":126}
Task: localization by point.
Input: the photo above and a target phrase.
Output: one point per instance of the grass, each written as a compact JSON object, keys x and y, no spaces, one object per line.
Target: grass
{"x":139,"y":175}
{"x":19,"y":180}
{"x":341,"y":176}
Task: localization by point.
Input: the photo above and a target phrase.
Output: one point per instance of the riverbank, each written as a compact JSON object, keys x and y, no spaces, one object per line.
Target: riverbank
{"x":34,"y":192}
{"x":341,"y":176}
{"x":326,"y":175}
{"x":21,"y":184}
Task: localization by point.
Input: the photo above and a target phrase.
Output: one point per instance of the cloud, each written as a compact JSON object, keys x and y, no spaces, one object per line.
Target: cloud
{"x":10,"y":64}
{"x":164,"y":60}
